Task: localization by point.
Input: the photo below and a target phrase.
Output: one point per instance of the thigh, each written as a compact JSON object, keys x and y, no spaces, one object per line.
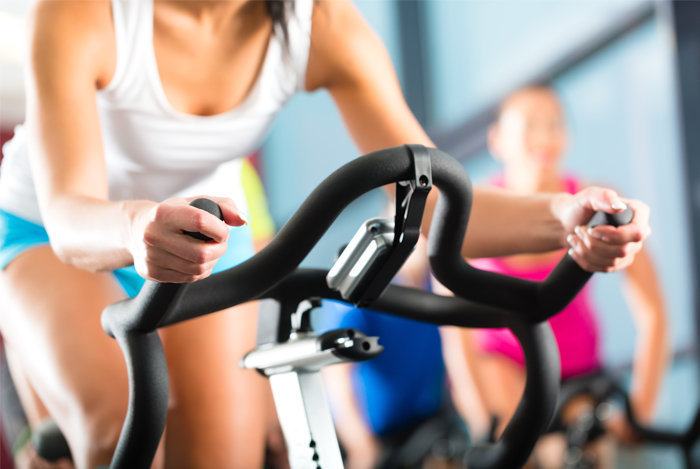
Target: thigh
{"x":34,"y":409}
{"x":217,"y":410}
{"x":50,"y":318}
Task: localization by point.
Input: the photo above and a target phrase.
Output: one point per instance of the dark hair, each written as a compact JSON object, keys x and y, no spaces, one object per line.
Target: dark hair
{"x":539,"y":86}
{"x":277,"y":9}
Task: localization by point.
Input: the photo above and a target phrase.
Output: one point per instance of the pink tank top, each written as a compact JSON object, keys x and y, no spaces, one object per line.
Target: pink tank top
{"x":575,"y":328}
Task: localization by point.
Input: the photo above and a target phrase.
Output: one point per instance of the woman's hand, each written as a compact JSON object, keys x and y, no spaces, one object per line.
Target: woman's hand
{"x":163,"y":253}
{"x":603,"y":248}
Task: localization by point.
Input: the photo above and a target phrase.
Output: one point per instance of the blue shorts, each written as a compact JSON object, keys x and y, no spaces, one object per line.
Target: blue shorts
{"x":18,"y":235}
{"x":403,"y":385}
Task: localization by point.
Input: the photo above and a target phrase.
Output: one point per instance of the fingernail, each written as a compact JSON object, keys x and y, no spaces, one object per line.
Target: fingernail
{"x":617,"y":204}
{"x":570,"y":252}
{"x":570,"y":239}
{"x":243,"y":217}
{"x":595,"y":234}
{"x":577,"y":230}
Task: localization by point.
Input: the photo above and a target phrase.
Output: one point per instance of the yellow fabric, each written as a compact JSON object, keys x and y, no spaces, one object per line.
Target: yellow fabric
{"x":259,"y":216}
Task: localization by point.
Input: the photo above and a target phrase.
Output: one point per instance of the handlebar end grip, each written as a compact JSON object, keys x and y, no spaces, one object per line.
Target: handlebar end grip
{"x":613,"y":219}
{"x":208,"y":206}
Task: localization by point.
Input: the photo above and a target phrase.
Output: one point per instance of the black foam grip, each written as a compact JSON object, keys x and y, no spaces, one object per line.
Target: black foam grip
{"x":614,"y":219}
{"x":208,"y":206}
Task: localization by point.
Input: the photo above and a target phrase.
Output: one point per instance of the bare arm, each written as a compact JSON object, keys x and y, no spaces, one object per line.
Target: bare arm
{"x":349,"y":60}
{"x":358,"y":440}
{"x":72,"y":55}
{"x":65,"y":144}
{"x":652,"y":349}
{"x":466,"y":390}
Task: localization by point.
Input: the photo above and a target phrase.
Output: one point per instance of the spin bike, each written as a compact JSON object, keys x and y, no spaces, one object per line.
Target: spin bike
{"x":602,"y":389}
{"x":361,"y":276}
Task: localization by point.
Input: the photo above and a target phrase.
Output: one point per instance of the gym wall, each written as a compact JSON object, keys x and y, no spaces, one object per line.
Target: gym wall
{"x":621,"y":107}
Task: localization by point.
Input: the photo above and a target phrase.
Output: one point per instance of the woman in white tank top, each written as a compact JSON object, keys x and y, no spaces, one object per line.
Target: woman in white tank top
{"x":133,"y":105}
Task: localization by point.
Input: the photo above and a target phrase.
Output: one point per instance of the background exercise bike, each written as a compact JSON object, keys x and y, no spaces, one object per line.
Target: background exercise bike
{"x":601,"y":390}
{"x":482,"y":299}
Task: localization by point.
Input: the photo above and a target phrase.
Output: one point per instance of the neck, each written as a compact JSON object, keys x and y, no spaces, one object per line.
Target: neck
{"x":531,"y":181}
{"x":214,"y":14}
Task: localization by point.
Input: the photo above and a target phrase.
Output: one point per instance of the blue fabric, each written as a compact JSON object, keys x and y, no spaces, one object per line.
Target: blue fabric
{"x":18,"y":235}
{"x":406,"y":382}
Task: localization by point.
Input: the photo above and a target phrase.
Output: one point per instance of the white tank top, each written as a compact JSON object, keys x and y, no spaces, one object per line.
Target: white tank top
{"x":155,"y":152}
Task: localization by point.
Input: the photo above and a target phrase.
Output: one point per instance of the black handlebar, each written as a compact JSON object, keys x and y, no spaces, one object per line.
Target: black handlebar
{"x":521,"y":305}
{"x":208,"y":206}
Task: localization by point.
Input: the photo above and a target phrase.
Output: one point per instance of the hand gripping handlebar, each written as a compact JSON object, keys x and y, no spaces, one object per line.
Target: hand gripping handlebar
{"x":487,"y":300}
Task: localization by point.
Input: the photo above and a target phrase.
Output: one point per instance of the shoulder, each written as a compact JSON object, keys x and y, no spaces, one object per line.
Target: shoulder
{"x":73,"y":34}
{"x":71,"y":20}
{"x":340,"y":38}
{"x":331,"y":15}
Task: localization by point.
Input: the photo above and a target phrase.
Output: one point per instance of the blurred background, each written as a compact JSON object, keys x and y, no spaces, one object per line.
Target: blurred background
{"x":625,"y":71}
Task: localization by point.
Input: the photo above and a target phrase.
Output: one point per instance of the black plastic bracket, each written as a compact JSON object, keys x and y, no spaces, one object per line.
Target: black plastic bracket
{"x":288,"y":307}
{"x":304,"y":322}
{"x":410,"y":200}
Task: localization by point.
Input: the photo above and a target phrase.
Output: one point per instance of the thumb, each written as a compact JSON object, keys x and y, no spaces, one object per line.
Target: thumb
{"x":233,"y":216}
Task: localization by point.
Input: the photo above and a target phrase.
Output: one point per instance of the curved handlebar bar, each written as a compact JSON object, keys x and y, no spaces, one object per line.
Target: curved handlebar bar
{"x":523,"y":305}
